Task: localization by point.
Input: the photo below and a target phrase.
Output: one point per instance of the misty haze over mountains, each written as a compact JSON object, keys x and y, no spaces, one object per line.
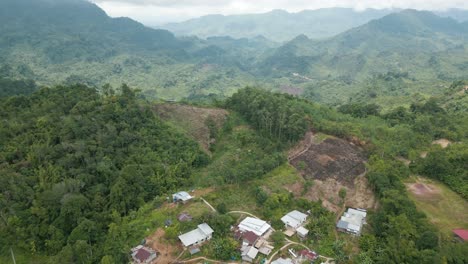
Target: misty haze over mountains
{"x":75,"y":41}
{"x":280,"y":25}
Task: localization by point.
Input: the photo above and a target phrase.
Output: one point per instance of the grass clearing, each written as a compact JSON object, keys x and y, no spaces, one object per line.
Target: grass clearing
{"x":236,"y":198}
{"x":280,"y":178}
{"x":444,"y":208}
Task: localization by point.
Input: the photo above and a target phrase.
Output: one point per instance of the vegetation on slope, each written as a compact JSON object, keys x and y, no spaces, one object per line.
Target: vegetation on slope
{"x":73,"y":161}
{"x":399,"y":233}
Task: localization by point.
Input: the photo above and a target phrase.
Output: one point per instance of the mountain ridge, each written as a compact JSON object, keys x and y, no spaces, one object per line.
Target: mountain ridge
{"x":280,"y":25}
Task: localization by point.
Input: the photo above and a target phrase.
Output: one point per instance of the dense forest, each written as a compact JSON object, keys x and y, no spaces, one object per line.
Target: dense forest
{"x":73,"y":160}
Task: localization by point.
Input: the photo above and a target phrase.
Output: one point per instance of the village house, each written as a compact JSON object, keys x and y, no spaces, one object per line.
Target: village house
{"x":352,"y":221}
{"x":302,"y":232}
{"x":248,"y":253}
{"x":294,"y":219}
{"x":460,"y":235}
{"x":184,"y":217}
{"x":182,"y":197}
{"x":252,"y":244}
{"x":143,"y":255}
{"x":307,"y":255}
{"x":248,"y":238}
{"x":198,"y":236}
{"x":257,"y":226}
{"x":293,"y":222}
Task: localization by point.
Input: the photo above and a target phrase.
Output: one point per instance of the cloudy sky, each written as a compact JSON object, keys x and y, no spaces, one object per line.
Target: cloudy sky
{"x":156,"y":12}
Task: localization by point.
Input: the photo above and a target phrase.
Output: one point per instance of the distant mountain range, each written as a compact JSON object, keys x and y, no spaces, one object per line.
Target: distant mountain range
{"x":74,"y":41}
{"x":279,"y":25}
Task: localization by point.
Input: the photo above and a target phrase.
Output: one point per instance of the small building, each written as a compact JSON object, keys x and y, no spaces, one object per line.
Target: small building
{"x":181,"y":197}
{"x":352,"y":221}
{"x":194,"y":250}
{"x":282,"y":261}
{"x":184,"y":217}
{"x":307,"y":255}
{"x":141,"y":254}
{"x":249,"y":238}
{"x":198,"y":236}
{"x":265,"y":249}
{"x":257,"y":226}
{"x":460,"y":235}
{"x":302,"y":232}
{"x":294,"y":219}
{"x":249,"y":253}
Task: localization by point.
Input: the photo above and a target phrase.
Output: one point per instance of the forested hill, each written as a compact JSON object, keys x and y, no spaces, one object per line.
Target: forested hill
{"x":73,"y":161}
{"x":409,"y":41}
{"x":74,"y":41}
{"x":401,"y":54}
{"x":77,"y":29}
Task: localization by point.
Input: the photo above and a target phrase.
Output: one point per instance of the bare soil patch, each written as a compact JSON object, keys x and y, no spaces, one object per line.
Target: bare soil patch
{"x":360,"y":195}
{"x":332,"y":164}
{"x":442,"y":142}
{"x":167,"y":252}
{"x":332,"y":158}
{"x":193,"y":120}
{"x":424,"y":190}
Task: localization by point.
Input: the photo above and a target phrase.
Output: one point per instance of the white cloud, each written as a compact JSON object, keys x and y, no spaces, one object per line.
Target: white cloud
{"x":154,"y":12}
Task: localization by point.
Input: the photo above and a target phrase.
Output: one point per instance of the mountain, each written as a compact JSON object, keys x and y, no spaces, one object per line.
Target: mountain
{"x":416,"y":46}
{"x":277,"y":25}
{"x":74,"y":41}
{"x":71,"y":23}
{"x":460,"y":15}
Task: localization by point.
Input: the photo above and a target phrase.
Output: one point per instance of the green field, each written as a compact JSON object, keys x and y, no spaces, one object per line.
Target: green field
{"x":444,"y":208}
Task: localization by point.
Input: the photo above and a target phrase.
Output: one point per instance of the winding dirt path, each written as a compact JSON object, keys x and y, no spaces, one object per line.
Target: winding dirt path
{"x":308,"y":141}
{"x":208,"y":204}
{"x":206,"y":259}
{"x":243,"y":212}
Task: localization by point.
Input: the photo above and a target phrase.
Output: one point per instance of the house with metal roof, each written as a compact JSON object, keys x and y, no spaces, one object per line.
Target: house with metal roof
{"x":307,"y":255}
{"x":352,"y":221}
{"x":302,"y":232}
{"x":181,"y":197}
{"x":460,"y":234}
{"x":195,"y":237}
{"x":249,"y":253}
{"x":257,"y":226}
{"x":143,"y":255}
{"x":184,"y":217}
{"x":294,"y":219}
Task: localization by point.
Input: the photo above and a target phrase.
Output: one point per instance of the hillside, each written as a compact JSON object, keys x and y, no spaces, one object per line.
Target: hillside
{"x":411,"y":51}
{"x":86,"y":176}
{"x":67,"y":42}
{"x":277,"y":25}
{"x":74,"y":41}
